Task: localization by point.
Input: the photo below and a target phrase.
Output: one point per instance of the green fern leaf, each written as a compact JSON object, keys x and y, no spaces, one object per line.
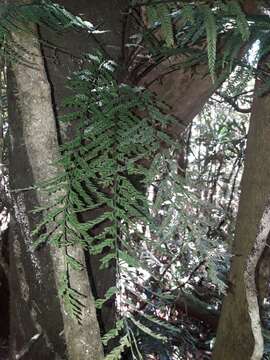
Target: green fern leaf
{"x":113,"y":333}
{"x":115,"y":354}
{"x":109,"y":294}
{"x":166,"y":24}
{"x":211,"y":32}
{"x":147,"y":330}
{"x":241,"y":20}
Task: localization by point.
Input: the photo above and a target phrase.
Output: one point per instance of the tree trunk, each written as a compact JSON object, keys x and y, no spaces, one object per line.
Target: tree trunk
{"x":185,"y":90}
{"x":61,"y":61}
{"x":40,"y":325}
{"x":235,"y":338}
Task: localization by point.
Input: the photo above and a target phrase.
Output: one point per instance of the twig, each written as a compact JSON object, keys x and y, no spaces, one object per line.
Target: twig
{"x":26,"y":349}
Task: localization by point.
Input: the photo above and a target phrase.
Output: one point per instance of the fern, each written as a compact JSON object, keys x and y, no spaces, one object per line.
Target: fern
{"x":71,"y":298}
{"x":113,"y":333}
{"x":161,"y":15}
{"x":45,"y":13}
{"x":115,"y":354}
{"x":118,"y":126}
{"x":108,"y":149}
{"x":187,"y":14}
{"x":147,"y":329}
{"x":241,"y":20}
{"x":109,"y":294}
{"x":152,"y":15}
{"x":161,"y":323}
{"x":194,"y":24}
{"x":211,"y":31}
{"x":166,"y":24}
{"x":21,"y":17}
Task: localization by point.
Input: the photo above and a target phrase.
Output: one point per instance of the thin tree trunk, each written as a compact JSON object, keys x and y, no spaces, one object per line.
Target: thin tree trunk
{"x":40,"y":325}
{"x":235,"y":336}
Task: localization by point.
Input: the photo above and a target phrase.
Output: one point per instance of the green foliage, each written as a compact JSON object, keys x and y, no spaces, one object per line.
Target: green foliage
{"x":45,"y":13}
{"x":160,"y":14}
{"x":106,"y":165}
{"x":162,"y":324}
{"x":111,"y":292}
{"x":147,"y":329}
{"x":21,"y":17}
{"x":184,"y":223}
{"x":70,"y":298}
{"x":118,"y":128}
{"x":187,"y":14}
{"x":113,"y":333}
{"x":194,"y":29}
{"x":242,"y":24}
{"x":115,"y":354}
{"x":211,"y":31}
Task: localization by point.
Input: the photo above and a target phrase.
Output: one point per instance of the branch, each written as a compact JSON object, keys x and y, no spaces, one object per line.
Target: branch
{"x":26,"y":349}
{"x":196,"y":308}
{"x":233,"y":103}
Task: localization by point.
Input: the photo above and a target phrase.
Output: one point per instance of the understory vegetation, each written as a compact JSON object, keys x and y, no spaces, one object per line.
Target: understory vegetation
{"x":152,"y":195}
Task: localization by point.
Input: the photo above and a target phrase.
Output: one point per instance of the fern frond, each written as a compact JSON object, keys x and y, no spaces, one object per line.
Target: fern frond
{"x":21,"y":17}
{"x":241,"y":21}
{"x":147,"y":330}
{"x":163,"y":12}
{"x":119,"y":126}
{"x":113,"y":333}
{"x":211,"y":31}
{"x":45,"y":13}
{"x":152,"y":15}
{"x":159,"y":15}
{"x":162,"y":323}
{"x":187,"y":13}
{"x":71,"y":298}
{"x":109,"y":294}
{"x":115,"y":354}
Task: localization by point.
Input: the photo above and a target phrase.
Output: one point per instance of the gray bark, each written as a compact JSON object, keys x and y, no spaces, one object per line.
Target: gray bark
{"x":36,"y":276}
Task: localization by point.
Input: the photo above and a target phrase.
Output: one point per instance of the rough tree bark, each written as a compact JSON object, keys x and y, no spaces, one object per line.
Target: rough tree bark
{"x":235,"y":338}
{"x":40,"y":325}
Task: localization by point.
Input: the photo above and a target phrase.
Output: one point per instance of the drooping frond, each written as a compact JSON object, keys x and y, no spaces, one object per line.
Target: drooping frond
{"x":21,"y":17}
{"x":211,"y":32}
{"x":160,"y":15}
{"x":242,"y":24}
{"x":45,"y":13}
{"x":198,"y":29}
